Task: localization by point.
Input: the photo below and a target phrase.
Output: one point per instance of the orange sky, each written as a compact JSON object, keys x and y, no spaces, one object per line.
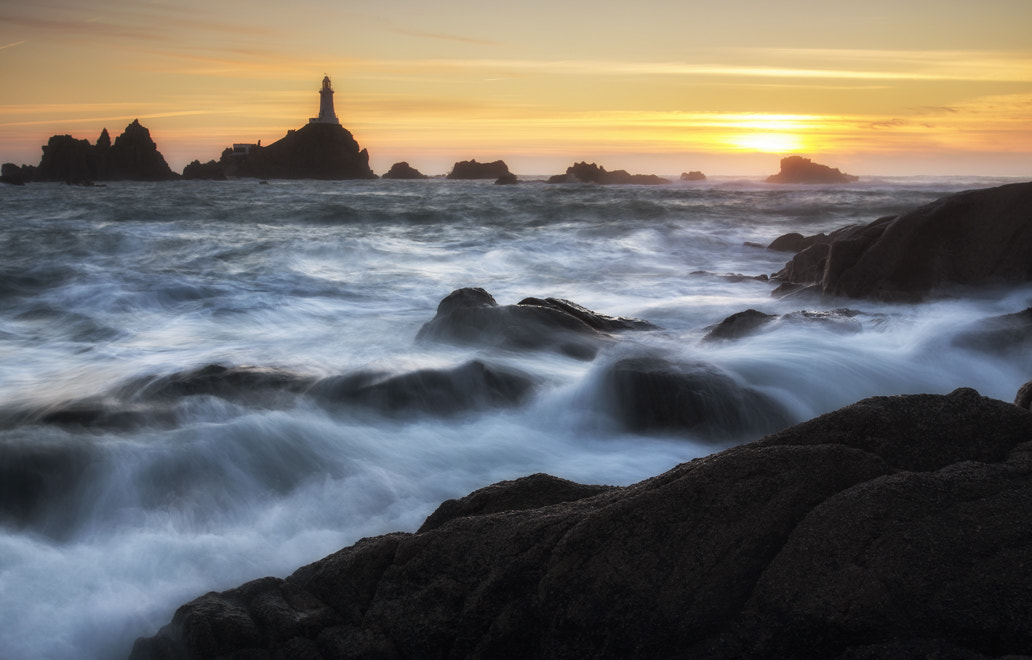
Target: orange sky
{"x":878,"y":87}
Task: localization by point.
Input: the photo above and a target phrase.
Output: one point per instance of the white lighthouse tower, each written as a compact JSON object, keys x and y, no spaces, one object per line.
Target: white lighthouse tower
{"x":326,"y":114}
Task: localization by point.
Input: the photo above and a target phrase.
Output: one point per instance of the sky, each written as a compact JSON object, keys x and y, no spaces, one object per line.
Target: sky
{"x":890,"y":87}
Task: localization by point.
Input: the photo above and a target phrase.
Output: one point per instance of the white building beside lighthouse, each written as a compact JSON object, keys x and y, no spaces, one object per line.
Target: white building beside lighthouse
{"x":326,"y":113}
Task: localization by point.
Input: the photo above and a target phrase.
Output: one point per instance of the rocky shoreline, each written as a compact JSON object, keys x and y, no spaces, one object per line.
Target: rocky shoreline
{"x":894,"y":527}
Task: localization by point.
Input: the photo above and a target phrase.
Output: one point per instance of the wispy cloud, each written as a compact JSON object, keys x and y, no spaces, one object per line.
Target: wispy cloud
{"x":930,"y":66}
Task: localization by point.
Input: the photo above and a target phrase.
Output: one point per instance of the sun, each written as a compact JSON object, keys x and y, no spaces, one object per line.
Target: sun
{"x":778,"y":143}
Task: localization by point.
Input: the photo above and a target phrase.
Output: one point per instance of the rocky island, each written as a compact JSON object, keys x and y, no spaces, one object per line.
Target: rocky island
{"x":403,"y":170}
{"x":325,"y":151}
{"x":472,"y":170}
{"x":132,"y":157}
{"x":591,"y":173}
{"x":796,"y":169}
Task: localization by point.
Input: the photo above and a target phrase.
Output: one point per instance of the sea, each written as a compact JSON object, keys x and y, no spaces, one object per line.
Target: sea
{"x":116,"y":507}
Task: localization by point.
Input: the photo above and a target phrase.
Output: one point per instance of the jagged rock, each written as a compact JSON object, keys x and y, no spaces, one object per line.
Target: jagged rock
{"x":472,"y":316}
{"x":210,"y":171}
{"x":897,"y":526}
{"x":403,"y":170}
{"x":315,"y":151}
{"x":796,"y":169}
{"x":591,"y":173}
{"x":133,"y":157}
{"x":978,"y":237}
{"x":471,"y":169}
{"x":507,"y":180}
{"x":694,"y":175}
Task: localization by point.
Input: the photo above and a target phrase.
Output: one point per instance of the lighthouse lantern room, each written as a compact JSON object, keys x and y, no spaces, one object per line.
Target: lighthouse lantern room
{"x":326,"y":113}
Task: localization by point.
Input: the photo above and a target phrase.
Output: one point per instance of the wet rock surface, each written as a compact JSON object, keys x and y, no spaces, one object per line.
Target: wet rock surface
{"x":472,"y":316}
{"x":974,"y":238}
{"x":895,"y":525}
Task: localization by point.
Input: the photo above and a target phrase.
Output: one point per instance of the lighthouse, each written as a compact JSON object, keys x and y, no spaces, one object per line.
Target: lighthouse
{"x":326,"y":114}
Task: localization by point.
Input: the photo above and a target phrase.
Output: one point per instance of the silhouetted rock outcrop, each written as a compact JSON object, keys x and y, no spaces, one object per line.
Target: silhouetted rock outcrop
{"x":403,"y":170}
{"x":978,"y":237}
{"x":14,"y":175}
{"x":591,"y":173}
{"x":314,"y":151}
{"x":694,"y":175}
{"x":796,"y":169}
{"x":507,"y":180}
{"x":894,"y":527}
{"x":133,"y":157}
{"x":210,"y":171}
{"x":471,"y":169}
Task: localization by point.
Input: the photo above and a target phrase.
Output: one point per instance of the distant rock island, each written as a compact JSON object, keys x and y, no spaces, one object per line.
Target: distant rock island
{"x":132,"y":157}
{"x":471,"y":169}
{"x":796,"y":169}
{"x":591,"y":173}
{"x":694,"y":175}
{"x":403,"y":170}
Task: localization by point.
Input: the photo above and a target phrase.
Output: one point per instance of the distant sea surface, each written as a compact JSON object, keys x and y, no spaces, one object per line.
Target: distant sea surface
{"x":107,"y":526}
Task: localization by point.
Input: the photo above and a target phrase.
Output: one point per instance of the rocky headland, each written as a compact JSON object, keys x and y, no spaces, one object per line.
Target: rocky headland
{"x":314,"y":151}
{"x":894,"y":527}
{"x":591,"y":173}
{"x":796,"y":169}
{"x":974,"y":238}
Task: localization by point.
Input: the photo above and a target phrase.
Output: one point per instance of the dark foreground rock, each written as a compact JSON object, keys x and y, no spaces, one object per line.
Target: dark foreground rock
{"x":472,"y":316}
{"x":974,"y":238}
{"x":796,"y":169}
{"x":895,"y":527}
{"x":592,"y":173}
{"x":472,"y":170}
